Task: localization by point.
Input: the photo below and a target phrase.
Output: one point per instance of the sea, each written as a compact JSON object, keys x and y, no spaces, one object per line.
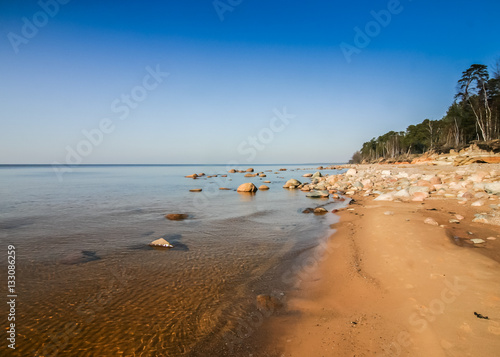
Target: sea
{"x":87,"y":283}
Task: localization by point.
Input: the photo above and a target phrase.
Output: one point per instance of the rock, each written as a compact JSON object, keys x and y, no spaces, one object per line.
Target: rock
{"x":317,"y":174}
{"x":247,"y":187}
{"x":262,"y":175}
{"x":419,"y":196}
{"x":195,"y":190}
{"x":317,"y":194}
{"x":201,"y":174}
{"x":480,"y":218}
{"x":250,"y":175}
{"x":292,"y":183}
{"x":307,"y":175}
{"x":389,"y":213}
{"x":414,"y":189}
{"x":454,"y":221}
{"x":386,"y":172}
{"x":477,"y":203}
{"x":320,"y":210}
{"x":267,"y":181}
{"x":176,"y":216}
{"x":402,"y":194}
{"x":491,"y":238}
{"x":436,"y":180}
{"x":249,"y":170}
{"x":232,"y":171}
{"x":358,"y":185}
{"x":477,"y":241}
{"x":426,"y":184}
{"x":308,"y":210}
{"x":389,"y":196}
{"x":459,"y":217}
{"x":161,"y":243}
{"x":193,"y":176}
{"x":492,"y":188}
{"x":268,"y":302}
{"x":351,"y":172}
{"x":431,"y":221}
{"x":224,"y":188}
{"x":263,"y":188}
{"x":223,"y":176}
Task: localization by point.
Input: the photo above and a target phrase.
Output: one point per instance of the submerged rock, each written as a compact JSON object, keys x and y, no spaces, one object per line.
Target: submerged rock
{"x":263,"y":188}
{"x":318,"y":194}
{"x":320,"y":210}
{"x":176,"y":216}
{"x":268,"y":302}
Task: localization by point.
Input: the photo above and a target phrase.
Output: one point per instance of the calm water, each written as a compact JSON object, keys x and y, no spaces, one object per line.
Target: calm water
{"x":88,"y":284}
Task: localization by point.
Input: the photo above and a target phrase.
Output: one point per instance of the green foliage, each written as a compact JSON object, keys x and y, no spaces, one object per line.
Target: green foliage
{"x":474,"y":115}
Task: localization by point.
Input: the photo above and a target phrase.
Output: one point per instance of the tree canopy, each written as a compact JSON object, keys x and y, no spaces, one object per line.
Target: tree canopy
{"x":474,"y":115}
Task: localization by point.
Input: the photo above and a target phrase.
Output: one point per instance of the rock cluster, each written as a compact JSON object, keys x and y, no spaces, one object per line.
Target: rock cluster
{"x":475,"y":186}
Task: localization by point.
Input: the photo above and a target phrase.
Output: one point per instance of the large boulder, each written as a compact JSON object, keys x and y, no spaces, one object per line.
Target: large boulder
{"x":247,"y":187}
{"x":292,"y":183}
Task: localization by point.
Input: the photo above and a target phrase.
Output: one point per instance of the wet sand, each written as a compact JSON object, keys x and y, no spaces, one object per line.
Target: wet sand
{"x":392,"y":285}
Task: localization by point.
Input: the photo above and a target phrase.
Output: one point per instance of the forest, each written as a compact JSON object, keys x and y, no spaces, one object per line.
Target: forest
{"x":473,"y":117}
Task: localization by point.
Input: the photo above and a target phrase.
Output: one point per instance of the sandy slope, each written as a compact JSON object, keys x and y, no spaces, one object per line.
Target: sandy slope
{"x":393,"y":285}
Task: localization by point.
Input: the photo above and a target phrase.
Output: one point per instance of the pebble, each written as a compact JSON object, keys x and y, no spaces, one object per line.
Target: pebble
{"x":431,"y":221}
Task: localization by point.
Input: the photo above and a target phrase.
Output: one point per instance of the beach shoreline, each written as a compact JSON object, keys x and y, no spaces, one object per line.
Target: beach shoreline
{"x":394,"y":284}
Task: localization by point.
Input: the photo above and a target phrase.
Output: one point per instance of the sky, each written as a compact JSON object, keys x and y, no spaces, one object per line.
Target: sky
{"x":227,"y":81}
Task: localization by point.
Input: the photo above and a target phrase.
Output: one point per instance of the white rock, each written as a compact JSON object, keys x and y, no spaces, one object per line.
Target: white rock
{"x":389,"y":196}
{"x":351,"y":172}
{"x":402,"y":193}
{"x":161,"y":243}
{"x":477,"y":241}
{"x":431,"y":221}
{"x":477,"y":204}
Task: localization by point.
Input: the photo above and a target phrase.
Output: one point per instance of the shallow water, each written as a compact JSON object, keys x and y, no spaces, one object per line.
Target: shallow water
{"x":88,"y":284}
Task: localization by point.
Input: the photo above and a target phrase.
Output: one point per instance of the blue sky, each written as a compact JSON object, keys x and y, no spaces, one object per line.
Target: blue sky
{"x":229,"y":73}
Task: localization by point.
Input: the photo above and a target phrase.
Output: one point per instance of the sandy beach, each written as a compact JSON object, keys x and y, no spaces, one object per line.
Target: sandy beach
{"x":400,"y":278}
